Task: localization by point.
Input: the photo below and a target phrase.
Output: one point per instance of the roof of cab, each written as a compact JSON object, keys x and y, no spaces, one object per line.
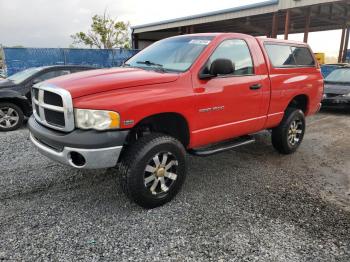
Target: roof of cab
{"x":281,"y":41}
{"x":260,"y":39}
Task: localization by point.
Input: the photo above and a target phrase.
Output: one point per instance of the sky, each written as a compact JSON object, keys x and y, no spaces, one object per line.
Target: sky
{"x":49,"y":23}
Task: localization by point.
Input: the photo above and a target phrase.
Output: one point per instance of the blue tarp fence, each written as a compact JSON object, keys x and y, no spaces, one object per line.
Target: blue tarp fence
{"x":18,"y":59}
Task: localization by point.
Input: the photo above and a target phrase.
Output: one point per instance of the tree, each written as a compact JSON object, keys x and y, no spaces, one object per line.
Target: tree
{"x":104,"y":33}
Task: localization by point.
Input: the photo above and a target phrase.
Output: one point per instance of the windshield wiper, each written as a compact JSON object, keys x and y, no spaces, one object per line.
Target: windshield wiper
{"x":158,"y":67}
{"x":126,"y":65}
{"x":149,"y":63}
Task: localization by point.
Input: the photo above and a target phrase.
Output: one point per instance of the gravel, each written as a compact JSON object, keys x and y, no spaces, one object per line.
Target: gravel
{"x":247,"y":204}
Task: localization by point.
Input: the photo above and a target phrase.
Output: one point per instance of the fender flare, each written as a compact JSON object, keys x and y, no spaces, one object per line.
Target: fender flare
{"x":17,"y":98}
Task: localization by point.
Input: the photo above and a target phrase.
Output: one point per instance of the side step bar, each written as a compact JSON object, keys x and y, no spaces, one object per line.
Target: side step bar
{"x":222,"y":146}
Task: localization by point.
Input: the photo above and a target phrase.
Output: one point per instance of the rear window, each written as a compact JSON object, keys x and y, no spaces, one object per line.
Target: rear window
{"x":289,"y":56}
{"x":303,"y":56}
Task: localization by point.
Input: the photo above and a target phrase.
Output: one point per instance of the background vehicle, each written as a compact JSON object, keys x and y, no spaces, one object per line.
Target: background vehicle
{"x":15,"y":95}
{"x":201,"y":93}
{"x":326,"y":69}
{"x":337,"y":87}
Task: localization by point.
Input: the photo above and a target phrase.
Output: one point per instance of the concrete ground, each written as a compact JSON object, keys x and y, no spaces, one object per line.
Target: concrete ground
{"x":248,"y":204}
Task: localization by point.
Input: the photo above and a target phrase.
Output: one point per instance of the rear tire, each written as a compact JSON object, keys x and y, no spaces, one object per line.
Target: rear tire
{"x":287,"y":137}
{"x":153,"y":170}
{"x":11,"y":116}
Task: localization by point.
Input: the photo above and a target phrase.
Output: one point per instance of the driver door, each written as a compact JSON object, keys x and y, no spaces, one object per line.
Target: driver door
{"x":230,"y":106}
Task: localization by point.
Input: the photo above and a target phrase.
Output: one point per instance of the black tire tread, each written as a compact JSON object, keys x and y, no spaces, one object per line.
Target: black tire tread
{"x":131,"y":157}
{"x":277,"y":136}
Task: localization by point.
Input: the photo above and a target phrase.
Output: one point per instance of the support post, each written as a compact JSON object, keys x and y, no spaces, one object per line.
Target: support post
{"x":191,"y":29}
{"x":307,"y":24}
{"x":274,"y":25}
{"x":135,"y":41}
{"x":346,"y":43}
{"x":330,"y":11}
{"x":340,"y":57}
{"x":286,"y":26}
{"x":182,"y":30}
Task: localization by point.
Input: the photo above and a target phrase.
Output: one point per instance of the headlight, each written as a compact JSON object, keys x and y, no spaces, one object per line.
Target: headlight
{"x":347,"y":95}
{"x":96,"y":119}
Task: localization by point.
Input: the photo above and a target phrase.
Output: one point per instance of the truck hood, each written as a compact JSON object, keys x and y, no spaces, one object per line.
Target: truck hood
{"x":103,"y":80}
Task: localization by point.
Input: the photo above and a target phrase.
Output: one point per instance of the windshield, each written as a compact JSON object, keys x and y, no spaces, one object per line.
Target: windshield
{"x":172,"y":54}
{"x":341,"y":75}
{"x":23,"y":75}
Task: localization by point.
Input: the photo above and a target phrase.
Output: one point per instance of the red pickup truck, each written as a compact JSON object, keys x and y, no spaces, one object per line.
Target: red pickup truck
{"x":199,"y":93}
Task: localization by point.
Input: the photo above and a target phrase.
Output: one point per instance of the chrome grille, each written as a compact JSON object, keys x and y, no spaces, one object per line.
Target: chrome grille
{"x":53,"y":107}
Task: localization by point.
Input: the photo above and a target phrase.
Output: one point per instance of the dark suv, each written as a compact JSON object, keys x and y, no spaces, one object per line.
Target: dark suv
{"x":15,"y":98}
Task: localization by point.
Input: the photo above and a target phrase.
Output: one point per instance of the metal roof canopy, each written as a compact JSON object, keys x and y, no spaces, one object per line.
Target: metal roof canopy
{"x":267,"y":18}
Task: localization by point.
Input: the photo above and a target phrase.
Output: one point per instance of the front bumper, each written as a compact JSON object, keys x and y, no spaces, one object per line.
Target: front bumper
{"x":335,"y":100}
{"x":79,"y":148}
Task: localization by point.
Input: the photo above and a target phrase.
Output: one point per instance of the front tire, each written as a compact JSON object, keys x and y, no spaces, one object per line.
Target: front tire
{"x":287,"y":137}
{"x":11,"y":116}
{"x":153,"y":170}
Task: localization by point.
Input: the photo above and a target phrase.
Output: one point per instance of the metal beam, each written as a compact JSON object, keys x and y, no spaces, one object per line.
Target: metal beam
{"x":307,"y":24}
{"x":287,"y":24}
{"x":346,"y":43}
{"x":330,"y":11}
{"x":135,"y":41}
{"x":340,"y":57}
{"x":274,"y":25}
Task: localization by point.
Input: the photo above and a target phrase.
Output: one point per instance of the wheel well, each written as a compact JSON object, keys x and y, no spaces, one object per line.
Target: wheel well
{"x":26,"y":109}
{"x":172,"y":124}
{"x":300,"y":102}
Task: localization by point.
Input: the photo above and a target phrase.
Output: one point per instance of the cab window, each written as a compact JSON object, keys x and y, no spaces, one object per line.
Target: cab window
{"x":238,"y":52}
{"x":282,"y":55}
{"x":303,"y":56}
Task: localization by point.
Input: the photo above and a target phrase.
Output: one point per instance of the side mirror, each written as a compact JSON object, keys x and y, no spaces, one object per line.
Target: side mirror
{"x":204,"y":76}
{"x":221,"y":66}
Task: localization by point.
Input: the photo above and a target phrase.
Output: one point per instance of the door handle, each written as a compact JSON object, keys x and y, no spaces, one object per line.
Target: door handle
{"x":255,"y":86}
{"x":199,"y":89}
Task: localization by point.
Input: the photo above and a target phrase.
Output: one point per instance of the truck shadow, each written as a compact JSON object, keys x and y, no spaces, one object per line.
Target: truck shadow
{"x":339,"y":110}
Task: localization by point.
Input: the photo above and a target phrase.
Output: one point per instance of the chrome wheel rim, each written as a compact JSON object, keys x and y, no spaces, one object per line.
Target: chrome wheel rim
{"x":295,"y":132}
{"x":8,"y":117}
{"x":161,"y":173}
